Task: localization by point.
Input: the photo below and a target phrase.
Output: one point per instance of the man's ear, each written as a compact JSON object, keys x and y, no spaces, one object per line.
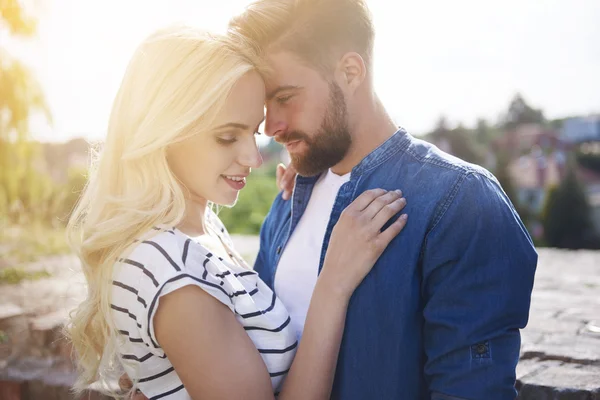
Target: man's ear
{"x":350,"y":72}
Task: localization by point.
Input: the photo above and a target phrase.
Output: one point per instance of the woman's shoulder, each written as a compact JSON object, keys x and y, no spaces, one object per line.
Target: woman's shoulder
{"x":159,"y":242}
{"x":152,"y":256}
{"x":166,"y":254}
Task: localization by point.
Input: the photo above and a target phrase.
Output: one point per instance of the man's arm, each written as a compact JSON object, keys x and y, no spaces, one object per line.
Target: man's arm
{"x":478,"y":269}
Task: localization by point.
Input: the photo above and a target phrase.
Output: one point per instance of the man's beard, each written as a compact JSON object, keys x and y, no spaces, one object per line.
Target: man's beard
{"x":331,"y":142}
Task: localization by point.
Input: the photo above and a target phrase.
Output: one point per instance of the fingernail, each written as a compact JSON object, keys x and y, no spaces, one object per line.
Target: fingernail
{"x":404,"y":216}
{"x":398,"y":191}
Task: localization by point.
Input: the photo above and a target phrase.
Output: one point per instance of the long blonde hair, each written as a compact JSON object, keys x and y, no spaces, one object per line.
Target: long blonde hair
{"x":174,"y":86}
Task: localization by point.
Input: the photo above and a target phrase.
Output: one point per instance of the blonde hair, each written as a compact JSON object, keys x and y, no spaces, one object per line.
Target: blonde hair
{"x":174,"y":86}
{"x":315,"y":30}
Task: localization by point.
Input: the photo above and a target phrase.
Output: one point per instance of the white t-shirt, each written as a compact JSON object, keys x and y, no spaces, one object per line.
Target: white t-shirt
{"x":298,"y":266}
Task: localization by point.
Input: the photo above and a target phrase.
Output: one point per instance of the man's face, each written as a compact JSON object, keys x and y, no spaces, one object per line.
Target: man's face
{"x":306,"y":113}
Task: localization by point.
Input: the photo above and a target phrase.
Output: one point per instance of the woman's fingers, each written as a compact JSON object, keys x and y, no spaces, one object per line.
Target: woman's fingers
{"x":387,"y":212}
{"x":381,"y":203}
{"x":385,"y":237}
{"x":365,"y":199}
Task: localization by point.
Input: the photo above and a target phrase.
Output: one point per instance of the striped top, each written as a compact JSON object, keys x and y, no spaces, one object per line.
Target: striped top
{"x":169,"y":260}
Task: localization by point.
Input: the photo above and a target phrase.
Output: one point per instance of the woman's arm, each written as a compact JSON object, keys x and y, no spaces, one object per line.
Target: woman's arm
{"x":313,"y":369}
{"x":209,"y":349}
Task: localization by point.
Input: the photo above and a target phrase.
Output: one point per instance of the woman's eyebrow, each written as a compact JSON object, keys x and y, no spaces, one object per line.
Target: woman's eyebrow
{"x":236,"y":125}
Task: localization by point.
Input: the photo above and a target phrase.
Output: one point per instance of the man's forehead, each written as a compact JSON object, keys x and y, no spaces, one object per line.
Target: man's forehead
{"x":287,"y":69}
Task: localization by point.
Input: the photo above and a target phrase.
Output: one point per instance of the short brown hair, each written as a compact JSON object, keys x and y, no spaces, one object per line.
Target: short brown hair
{"x":315,"y":30}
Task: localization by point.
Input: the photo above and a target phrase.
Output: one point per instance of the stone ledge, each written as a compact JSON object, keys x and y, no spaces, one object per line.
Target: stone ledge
{"x":560,"y":356}
{"x":553,"y":379}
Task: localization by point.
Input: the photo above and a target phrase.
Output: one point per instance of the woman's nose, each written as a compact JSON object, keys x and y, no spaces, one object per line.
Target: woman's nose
{"x":251,"y":156}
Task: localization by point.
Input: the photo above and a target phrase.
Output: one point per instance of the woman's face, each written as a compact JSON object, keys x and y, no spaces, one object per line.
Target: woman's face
{"x":214,"y":165}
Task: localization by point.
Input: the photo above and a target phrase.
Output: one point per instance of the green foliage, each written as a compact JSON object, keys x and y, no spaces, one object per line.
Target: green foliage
{"x":25,"y":243}
{"x":503,"y":176}
{"x":567,"y":216}
{"x":254,"y":203}
{"x":13,"y":276}
{"x":519,"y":112}
{"x":14,"y":17}
{"x":464,"y":146}
{"x":30,"y":200}
{"x":463,"y":142}
{"x":29,"y":196}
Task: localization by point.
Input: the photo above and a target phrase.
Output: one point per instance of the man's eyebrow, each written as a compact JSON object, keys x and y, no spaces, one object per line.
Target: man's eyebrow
{"x":274,"y":93}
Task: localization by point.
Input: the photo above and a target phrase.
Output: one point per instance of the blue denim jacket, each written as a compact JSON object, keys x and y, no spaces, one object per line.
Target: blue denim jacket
{"x":439,"y":315}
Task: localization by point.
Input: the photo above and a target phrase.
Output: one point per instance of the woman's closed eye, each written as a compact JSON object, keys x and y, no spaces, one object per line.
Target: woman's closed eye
{"x":227,"y":140}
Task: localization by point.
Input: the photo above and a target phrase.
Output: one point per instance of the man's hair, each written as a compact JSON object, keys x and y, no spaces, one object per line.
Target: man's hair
{"x":318,"y":31}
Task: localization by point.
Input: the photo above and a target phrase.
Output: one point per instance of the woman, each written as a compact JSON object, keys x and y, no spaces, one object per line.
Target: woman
{"x":170,"y":302}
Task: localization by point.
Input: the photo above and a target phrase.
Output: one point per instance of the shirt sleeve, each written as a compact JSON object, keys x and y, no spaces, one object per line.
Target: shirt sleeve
{"x":478,"y":269}
{"x":164,"y":272}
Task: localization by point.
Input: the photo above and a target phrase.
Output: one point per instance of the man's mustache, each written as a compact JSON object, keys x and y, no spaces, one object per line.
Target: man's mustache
{"x":292,"y":137}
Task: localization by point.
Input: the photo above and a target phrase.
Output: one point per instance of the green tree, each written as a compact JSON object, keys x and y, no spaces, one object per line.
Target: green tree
{"x":482,"y":131}
{"x":20,"y":97}
{"x":20,"y":93}
{"x":463,"y":142}
{"x":464,"y":145}
{"x":519,"y":112}
{"x":247,"y":216}
{"x":567,"y":216}
{"x":503,"y":176}
{"x":502,"y":173}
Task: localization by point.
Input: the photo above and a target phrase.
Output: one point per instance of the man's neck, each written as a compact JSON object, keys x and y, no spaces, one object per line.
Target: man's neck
{"x":370,"y":130}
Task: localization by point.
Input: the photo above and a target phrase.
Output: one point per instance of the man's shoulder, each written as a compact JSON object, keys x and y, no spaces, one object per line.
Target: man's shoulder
{"x":431,"y":159}
{"x":432,"y":175}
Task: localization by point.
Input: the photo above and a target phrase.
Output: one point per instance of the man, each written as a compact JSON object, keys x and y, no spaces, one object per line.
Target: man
{"x":439,"y":315}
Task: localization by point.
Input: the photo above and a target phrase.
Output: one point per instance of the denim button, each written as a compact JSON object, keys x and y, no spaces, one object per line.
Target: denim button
{"x":481,"y":348}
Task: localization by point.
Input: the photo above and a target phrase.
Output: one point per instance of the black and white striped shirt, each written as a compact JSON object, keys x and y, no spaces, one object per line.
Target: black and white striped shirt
{"x":168,"y":261}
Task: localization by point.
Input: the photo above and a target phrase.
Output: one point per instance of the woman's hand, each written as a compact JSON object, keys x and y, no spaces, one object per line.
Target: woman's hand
{"x":357,"y":240}
{"x":125,"y":385}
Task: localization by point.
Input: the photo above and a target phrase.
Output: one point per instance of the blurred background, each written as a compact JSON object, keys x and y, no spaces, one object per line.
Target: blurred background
{"x":513,"y":86}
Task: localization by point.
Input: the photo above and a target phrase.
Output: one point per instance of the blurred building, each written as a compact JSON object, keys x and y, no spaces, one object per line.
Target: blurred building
{"x":534,"y":173}
{"x":581,"y":129}
{"x":522,"y":139}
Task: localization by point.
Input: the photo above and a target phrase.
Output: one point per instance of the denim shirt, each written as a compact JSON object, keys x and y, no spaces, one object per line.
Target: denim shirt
{"x":439,"y":315}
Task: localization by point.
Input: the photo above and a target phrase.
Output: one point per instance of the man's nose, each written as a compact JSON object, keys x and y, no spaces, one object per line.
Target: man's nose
{"x":274,"y":123}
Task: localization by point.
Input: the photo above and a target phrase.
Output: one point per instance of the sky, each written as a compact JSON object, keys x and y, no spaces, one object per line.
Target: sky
{"x":463,"y":59}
